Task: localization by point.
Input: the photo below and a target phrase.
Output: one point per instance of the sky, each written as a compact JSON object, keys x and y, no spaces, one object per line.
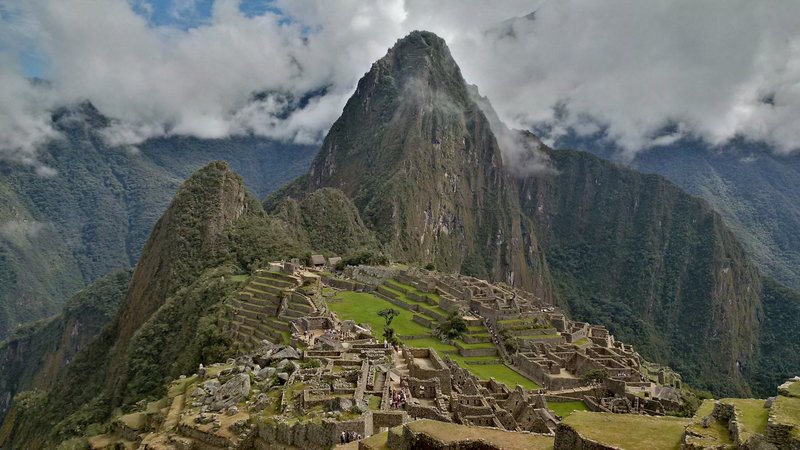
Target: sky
{"x":639,"y":74}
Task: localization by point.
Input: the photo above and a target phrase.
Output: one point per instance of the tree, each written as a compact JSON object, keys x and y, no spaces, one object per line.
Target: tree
{"x":453,"y":327}
{"x":596,"y":375}
{"x":388,"y":315}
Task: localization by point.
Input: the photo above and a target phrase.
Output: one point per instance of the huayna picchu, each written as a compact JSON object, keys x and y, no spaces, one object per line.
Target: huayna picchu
{"x":435,"y":281}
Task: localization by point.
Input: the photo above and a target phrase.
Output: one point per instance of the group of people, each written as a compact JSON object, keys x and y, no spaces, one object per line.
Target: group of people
{"x":349,"y":436}
{"x":398,"y":399}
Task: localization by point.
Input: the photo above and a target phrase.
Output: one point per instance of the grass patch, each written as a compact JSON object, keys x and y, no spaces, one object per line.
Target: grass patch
{"x":713,"y":435}
{"x":363,"y":308}
{"x":629,"y":430}
{"x":794,"y":389}
{"x":499,"y":372}
{"x":375,"y":402}
{"x":786,"y":410}
{"x":239,"y":278}
{"x":564,"y":409}
{"x":476,"y":345}
{"x":450,"y":434}
{"x":408,"y":288}
{"x":751,"y":414}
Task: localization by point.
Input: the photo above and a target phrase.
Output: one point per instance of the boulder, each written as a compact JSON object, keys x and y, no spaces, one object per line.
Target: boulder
{"x":232,"y":411}
{"x":283,"y":376}
{"x":232,"y":392}
{"x":212,"y":386}
{"x":265,"y":373}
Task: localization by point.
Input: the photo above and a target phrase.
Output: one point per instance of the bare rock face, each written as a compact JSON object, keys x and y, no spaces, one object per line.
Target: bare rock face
{"x":232,"y":392}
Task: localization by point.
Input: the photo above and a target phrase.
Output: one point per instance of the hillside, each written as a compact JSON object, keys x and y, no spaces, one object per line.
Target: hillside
{"x":36,"y":356}
{"x":94,"y":215}
{"x":754,"y":189}
{"x":654,"y":264}
{"x":168,"y":323}
{"x":421,"y":162}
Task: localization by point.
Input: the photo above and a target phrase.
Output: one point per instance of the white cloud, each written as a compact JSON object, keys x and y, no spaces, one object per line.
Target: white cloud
{"x":17,"y":230}
{"x":718,"y":68}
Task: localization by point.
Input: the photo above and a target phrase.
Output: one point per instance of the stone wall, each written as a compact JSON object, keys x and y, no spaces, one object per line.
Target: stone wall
{"x":312,"y":436}
{"x":470,"y":352}
{"x":388,"y":419}
{"x":569,"y":439}
{"x":438,"y":368}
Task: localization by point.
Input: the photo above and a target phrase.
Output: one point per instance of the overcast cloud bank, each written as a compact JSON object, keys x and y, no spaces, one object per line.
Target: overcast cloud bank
{"x":714,"y":70}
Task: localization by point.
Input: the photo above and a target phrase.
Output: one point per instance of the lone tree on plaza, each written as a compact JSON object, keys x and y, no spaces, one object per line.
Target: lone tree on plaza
{"x":388,"y":315}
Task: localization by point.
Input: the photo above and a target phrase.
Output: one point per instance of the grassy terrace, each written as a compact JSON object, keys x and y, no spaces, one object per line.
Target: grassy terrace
{"x":794,"y":389}
{"x":751,"y":414}
{"x":715,"y":434}
{"x":408,"y":288}
{"x":786,"y":410}
{"x":364,"y":307}
{"x":629,"y":431}
{"x":424,"y":306}
{"x":564,"y":409}
{"x":449,"y":433}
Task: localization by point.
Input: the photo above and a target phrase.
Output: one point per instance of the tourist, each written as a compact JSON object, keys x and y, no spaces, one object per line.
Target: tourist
{"x":343,"y":438}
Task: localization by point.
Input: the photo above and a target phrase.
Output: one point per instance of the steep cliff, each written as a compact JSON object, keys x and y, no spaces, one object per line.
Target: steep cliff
{"x":36,"y":356}
{"x":654,"y":264}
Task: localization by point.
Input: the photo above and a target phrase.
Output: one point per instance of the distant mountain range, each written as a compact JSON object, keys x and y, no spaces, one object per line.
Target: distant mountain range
{"x":59,"y":233}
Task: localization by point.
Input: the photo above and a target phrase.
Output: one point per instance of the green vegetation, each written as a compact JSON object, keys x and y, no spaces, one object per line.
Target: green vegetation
{"x":786,"y":410}
{"x":388,"y":315}
{"x":629,"y":431}
{"x":564,"y":409}
{"x":48,"y":346}
{"x":714,"y":433}
{"x":364,"y":308}
{"x":622,"y":268}
{"x":751,"y":415}
{"x":454,"y":327}
{"x":94,"y":216}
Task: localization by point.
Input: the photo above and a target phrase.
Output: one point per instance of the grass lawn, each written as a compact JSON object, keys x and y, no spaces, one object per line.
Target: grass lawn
{"x":629,"y":431}
{"x":751,"y":414}
{"x":564,"y":409}
{"x":239,"y":278}
{"x":476,"y":345}
{"x":786,"y":410}
{"x":425,"y":306}
{"x":499,"y":372}
{"x":794,"y":389}
{"x":374,"y":402}
{"x":363,"y":308}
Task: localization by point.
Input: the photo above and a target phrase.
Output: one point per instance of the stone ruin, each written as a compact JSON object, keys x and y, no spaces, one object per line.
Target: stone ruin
{"x":304,"y":376}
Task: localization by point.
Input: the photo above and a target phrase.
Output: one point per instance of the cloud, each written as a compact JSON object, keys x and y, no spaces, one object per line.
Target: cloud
{"x":713,"y":70}
{"x":18,"y":230}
